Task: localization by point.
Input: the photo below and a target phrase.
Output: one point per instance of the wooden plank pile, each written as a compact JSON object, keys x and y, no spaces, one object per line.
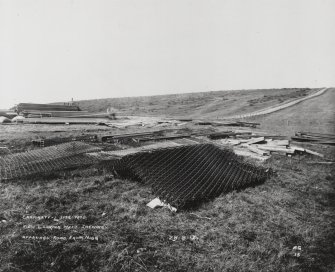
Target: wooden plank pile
{"x":226,"y":134}
{"x":117,"y":138}
{"x":227,"y":123}
{"x":261,"y":147}
{"x":312,"y":137}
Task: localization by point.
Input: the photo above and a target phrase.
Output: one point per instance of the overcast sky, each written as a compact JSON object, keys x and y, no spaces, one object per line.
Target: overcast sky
{"x":55,"y":50}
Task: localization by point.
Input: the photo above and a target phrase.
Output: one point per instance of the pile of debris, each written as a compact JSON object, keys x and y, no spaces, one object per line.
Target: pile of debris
{"x":125,"y":137}
{"x":260,"y":147}
{"x":245,"y":143}
{"x":312,"y":137}
{"x":227,"y":123}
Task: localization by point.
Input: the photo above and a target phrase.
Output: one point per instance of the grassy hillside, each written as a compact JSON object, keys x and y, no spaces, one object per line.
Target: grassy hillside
{"x":314,"y":115}
{"x":205,"y":104}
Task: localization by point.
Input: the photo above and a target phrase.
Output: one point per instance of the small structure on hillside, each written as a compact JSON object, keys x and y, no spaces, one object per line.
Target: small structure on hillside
{"x":26,"y":107}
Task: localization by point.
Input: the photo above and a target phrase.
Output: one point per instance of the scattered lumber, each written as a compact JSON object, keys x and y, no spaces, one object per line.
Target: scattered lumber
{"x":243,"y":140}
{"x":297,"y":148}
{"x":304,"y":150}
{"x":248,"y":153}
{"x":185,"y":120}
{"x":248,"y":124}
{"x":182,"y":124}
{"x":314,"y":153}
{"x":226,"y":134}
{"x":164,"y":138}
{"x":278,"y":142}
{"x":270,"y":137}
{"x":314,"y":134}
{"x":276,"y":149}
{"x":303,"y":139}
{"x":227,"y":123}
{"x":322,"y":162}
{"x":258,"y":151}
{"x":117,"y":137}
{"x":242,"y":124}
{"x":204,"y":123}
{"x":255,"y":140}
{"x":230,"y":142}
{"x":313,"y":137}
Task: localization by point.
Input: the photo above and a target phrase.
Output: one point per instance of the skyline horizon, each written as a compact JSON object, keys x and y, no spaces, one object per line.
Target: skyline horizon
{"x":59,"y":49}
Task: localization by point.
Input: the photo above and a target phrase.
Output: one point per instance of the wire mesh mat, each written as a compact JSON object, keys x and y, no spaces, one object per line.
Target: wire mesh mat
{"x":189,"y":174}
{"x":44,"y":160}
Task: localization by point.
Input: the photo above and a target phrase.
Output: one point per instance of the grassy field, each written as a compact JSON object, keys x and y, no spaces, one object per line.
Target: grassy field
{"x":314,"y":115}
{"x":257,"y":229}
{"x":197,"y":105}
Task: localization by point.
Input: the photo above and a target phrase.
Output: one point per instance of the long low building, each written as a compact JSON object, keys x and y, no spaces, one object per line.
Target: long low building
{"x":49,"y":113}
{"x":45,"y":107}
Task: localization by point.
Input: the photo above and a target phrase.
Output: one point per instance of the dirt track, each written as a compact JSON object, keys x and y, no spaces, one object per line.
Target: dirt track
{"x":314,"y":115}
{"x":279,"y":107}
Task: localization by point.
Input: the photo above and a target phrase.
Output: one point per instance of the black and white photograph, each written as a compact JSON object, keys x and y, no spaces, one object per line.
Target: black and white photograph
{"x":167,"y":135}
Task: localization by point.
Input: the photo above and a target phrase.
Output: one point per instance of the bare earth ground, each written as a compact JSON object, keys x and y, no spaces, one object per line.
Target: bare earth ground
{"x":255,"y":229}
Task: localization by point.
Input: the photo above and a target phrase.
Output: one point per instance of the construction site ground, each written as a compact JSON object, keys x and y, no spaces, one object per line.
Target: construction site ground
{"x":285,"y":224}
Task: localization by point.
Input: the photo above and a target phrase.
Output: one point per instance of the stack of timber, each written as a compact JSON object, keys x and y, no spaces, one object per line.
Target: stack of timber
{"x":228,"y":123}
{"x":261,"y":147}
{"x":226,"y":134}
{"x":116,"y":138}
{"x":66,"y":114}
{"x":312,"y":137}
{"x":244,"y":124}
{"x":160,"y":138}
{"x":43,"y":113}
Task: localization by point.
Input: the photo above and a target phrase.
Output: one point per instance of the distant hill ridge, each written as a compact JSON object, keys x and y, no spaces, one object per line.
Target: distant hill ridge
{"x":202,"y":104}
